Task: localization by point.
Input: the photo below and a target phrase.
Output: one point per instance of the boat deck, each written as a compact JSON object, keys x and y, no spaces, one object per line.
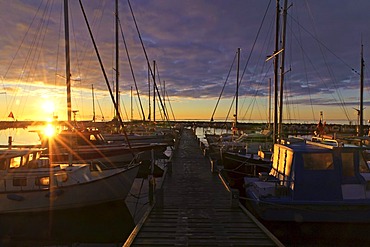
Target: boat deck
{"x":194,"y":208}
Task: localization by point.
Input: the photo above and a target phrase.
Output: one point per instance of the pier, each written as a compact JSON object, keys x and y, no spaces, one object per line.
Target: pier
{"x":193,"y":207}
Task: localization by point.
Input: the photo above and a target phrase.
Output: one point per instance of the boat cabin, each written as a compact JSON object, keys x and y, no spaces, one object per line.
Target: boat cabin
{"x":75,"y":137}
{"x":25,"y":169}
{"x":307,"y":170}
{"x":21,"y":158}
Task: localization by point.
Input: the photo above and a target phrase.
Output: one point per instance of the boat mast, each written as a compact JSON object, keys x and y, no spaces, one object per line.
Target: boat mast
{"x":93,"y":100}
{"x":361,"y":120}
{"x":282,"y":72}
{"x":237,"y":93}
{"x":269,"y":103}
{"x":276,"y":65}
{"x":164,"y":94}
{"x":68,"y":64}
{"x":154,"y":90}
{"x":68,"y":77}
{"x":132,"y":107}
{"x":117,"y":61}
{"x":150,"y":108}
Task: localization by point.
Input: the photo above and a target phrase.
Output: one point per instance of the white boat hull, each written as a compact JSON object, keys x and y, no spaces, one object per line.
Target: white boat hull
{"x":112,"y":187}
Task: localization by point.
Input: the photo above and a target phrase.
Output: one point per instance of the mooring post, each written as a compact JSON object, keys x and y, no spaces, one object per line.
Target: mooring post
{"x":234,"y":198}
{"x":214,"y":168}
{"x":151,"y":180}
{"x":10,"y":142}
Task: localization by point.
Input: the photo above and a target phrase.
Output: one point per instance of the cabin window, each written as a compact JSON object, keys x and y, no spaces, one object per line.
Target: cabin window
{"x":44,"y":181}
{"x":61,"y":176}
{"x":24,"y":160}
{"x":282,"y":164}
{"x":15,"y":162}
{"x":364,"y":168}
{"x":318,"y":161}
{"x":348,"y":166}
{"x":275,"y":163}
{"x":21,"y":181}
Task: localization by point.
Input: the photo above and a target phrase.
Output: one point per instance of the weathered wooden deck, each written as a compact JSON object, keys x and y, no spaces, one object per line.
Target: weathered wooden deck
{"x":193,"y":208}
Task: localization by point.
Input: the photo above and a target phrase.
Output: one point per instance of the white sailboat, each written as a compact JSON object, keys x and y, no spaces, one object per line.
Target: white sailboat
{"x":31,"y":183}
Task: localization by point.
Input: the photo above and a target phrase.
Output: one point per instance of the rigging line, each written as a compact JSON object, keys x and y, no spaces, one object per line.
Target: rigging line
{"x":35,"y":53}
{"x":255,"y":95}
{"x":74,"y":39}
{"x":16,"y":54}
{"x":169,"y":103}
{"x":162,"y":90}
{"x":327,"y":48}
{"x":160,"y":111}
{"x":106,"y":80}
{"x":304,"y":54}
{"x":254,"y":43}
{"x":146,"y":55}
{"x":223,"y":88}
{"x":265,"y":74}
{"x":124,"y":108}
{"x":96,"y":22}
{"x":234,"y":98}
{"x":76,"y":103}
{"x":132,"y":70}
{"x":258,"y":90}
{"x":341,"y":98}
{"x":160,"y":87}
{"x":58,"y":46}
{"x":306,"y":76}
{"x":22,"y":41}
{"x":230,"y":108}
{"x":101,"y":112}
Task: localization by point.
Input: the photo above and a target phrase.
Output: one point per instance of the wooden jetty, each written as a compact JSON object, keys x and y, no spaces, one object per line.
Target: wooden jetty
{"x":192,"y":207}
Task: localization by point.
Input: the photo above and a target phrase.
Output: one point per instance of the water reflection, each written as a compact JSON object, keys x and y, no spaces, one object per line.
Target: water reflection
{"x":107,"y":225}
{"x":21,"y":136}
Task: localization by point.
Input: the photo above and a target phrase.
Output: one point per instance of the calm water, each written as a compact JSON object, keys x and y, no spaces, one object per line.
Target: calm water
{"x":103,"y":225}
{"x":110,"y":224}
{"x":27,"y":136}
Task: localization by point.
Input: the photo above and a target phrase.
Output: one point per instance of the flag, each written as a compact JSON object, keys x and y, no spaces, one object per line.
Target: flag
{"x":11,"y":115}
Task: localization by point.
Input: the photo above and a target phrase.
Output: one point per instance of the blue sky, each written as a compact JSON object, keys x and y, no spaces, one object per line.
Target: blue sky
{"x":193,"y":43}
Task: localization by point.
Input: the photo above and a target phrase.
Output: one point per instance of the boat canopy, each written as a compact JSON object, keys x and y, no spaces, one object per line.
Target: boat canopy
{"x":315,"y":172}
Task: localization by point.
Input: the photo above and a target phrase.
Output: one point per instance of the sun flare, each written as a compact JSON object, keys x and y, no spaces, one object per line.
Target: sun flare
{"x":48,"y":106}
{"x":49,"y":130}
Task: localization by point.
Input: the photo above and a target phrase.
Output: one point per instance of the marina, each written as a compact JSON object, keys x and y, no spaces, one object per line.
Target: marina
{"x":92,"y":154}
{"x":193,"y":208}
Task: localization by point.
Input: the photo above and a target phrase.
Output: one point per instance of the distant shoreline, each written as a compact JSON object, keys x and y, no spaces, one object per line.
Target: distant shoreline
{"x":252,"y":126}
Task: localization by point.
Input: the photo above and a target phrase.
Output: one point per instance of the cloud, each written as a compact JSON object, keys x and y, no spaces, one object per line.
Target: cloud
{"x":193,"y":43}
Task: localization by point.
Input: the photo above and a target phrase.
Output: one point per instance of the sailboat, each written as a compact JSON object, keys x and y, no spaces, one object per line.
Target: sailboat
{"x":312,"y":181}
{"x":239,"y":153}
{"x":317,"y":180}
{"x":32,"y":183}
{"x":89,"y":145}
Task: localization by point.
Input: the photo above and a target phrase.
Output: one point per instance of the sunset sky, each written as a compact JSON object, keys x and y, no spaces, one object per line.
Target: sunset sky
{"x":194,"y":43}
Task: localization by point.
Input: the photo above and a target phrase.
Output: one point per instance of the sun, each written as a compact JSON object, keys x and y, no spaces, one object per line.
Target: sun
{"x":49,"y":130}
{"x":48,"y":106}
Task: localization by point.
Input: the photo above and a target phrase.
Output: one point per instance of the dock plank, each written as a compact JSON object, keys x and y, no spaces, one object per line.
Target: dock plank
{"x":196,"y":208}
